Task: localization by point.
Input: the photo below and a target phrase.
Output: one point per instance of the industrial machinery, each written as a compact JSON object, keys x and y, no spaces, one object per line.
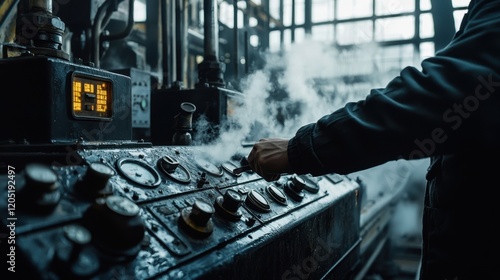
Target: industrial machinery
{"x":100,"y":178}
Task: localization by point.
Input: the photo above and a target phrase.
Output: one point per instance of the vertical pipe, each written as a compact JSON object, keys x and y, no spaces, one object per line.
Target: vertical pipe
{"x":181,"y":34}
{"x":153,"y":29}
{"x":210,"y":28}
{"x":294,"y":13}
{"x":236,"y":41}
{"x":165,"y":49}
{"x":308,"y":16}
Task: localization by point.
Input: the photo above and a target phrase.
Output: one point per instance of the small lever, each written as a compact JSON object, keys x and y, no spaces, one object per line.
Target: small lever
{"x":242,"y":169}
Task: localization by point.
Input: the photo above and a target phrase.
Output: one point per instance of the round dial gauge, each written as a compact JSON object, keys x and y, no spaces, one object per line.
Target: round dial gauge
{"x":209,"y":167}
{"x":138,"y":172}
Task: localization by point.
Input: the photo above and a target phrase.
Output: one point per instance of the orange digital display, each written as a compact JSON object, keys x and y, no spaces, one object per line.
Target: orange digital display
{"x":92,"y":97}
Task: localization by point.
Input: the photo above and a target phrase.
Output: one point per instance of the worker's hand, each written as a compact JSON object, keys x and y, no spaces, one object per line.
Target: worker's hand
{"x":269,"y":158}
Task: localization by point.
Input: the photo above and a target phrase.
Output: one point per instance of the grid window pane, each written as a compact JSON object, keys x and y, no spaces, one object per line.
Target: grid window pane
{"x":322,"y":10}
{"x":274,"y":41}
{"x":426,"y":50}
{"x":300,"y":35}
{"x":398,"y":28}
{"x":391,"y":7}
{"x":287,"y":12}
{"x":426,"y":26}
{"x":274,"y":9}
{"x":322,"y":33}
{"x":394,"y":58}
{"x":460,"y":3}
{"x":355,"y":32}
{"x":425,"y":5}
{"x":354,"y":8}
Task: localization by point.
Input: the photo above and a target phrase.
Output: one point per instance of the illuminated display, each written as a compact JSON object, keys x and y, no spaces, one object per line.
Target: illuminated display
{"x":92,"y":97}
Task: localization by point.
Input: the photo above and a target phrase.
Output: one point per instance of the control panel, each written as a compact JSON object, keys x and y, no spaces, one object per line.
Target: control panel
{"x":173,"y":212}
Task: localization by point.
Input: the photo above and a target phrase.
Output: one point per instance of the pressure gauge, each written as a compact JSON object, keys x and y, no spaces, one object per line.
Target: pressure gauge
{"x":209,"y":167}
{"x":138,"y":172}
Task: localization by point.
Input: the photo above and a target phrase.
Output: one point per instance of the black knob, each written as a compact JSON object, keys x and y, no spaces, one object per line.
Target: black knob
{"x":95,"y":181}
{"x":196,"y":221}
{"x":98,"y":175}
{"x":40,"y":178}
{"x":298,"y":183}
{"x":41,"y":192}
{"x":73,"y":258}
{"x":294,"y":188}
{"x":232,"y":200}
{"x":227,"y":206}
{"x":201,"y":212}
{"x":116,"y":225}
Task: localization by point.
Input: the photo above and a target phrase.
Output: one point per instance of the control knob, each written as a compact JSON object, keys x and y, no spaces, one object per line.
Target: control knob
{"x":294,"y":188}
{"x":73,"y":259}
{"x":227,"y":205}
{"x":116,"y":225}
{"x":41,"y":190}
{"x":94,"y":183}
{"x":196,"y":221}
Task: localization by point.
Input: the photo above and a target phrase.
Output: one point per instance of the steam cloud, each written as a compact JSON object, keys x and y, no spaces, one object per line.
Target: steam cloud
{"x":293,"y":89}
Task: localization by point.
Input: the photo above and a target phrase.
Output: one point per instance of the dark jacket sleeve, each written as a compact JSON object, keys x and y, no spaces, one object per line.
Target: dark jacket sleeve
{"x":449,"y":105}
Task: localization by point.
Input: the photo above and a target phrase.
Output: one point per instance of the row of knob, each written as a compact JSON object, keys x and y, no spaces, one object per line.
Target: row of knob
{"x":196,"y":220}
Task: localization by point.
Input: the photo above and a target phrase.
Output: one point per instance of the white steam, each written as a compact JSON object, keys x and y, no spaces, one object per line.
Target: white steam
{"x":294,"y":89}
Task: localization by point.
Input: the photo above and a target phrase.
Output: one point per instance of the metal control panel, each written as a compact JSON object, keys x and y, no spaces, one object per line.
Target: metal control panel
{"x":173,"y":212}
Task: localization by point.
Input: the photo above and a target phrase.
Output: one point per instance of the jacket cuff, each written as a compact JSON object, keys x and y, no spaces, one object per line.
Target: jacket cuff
{"x":301,"y":155}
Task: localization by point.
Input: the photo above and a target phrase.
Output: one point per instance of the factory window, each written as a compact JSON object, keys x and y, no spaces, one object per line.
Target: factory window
{"x":401,"y":31}
{"x":139,"y":11}
{"x":426,"y":26}
{"x":390,"y":28}
{"x":323,"y":10}
{"x":391,"y":7}
{"x":348,"y":9}
{"x":354,"y":32}
{"x":322,"y":32}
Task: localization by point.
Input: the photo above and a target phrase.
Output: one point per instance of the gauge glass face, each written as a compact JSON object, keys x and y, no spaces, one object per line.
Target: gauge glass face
{"x":208,"y":167}
{"x":139,"y":172}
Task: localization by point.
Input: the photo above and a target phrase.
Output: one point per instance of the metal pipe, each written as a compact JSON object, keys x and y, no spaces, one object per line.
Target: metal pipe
{"x":211,"y":30}
{"x":96,"y":31}
{"x":165,"y":49}
{"x":236,"y":41}
{"x":128,"y":28}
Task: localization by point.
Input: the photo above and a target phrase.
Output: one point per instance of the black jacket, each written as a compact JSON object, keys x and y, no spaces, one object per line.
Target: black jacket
{"x":449,"y":111}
